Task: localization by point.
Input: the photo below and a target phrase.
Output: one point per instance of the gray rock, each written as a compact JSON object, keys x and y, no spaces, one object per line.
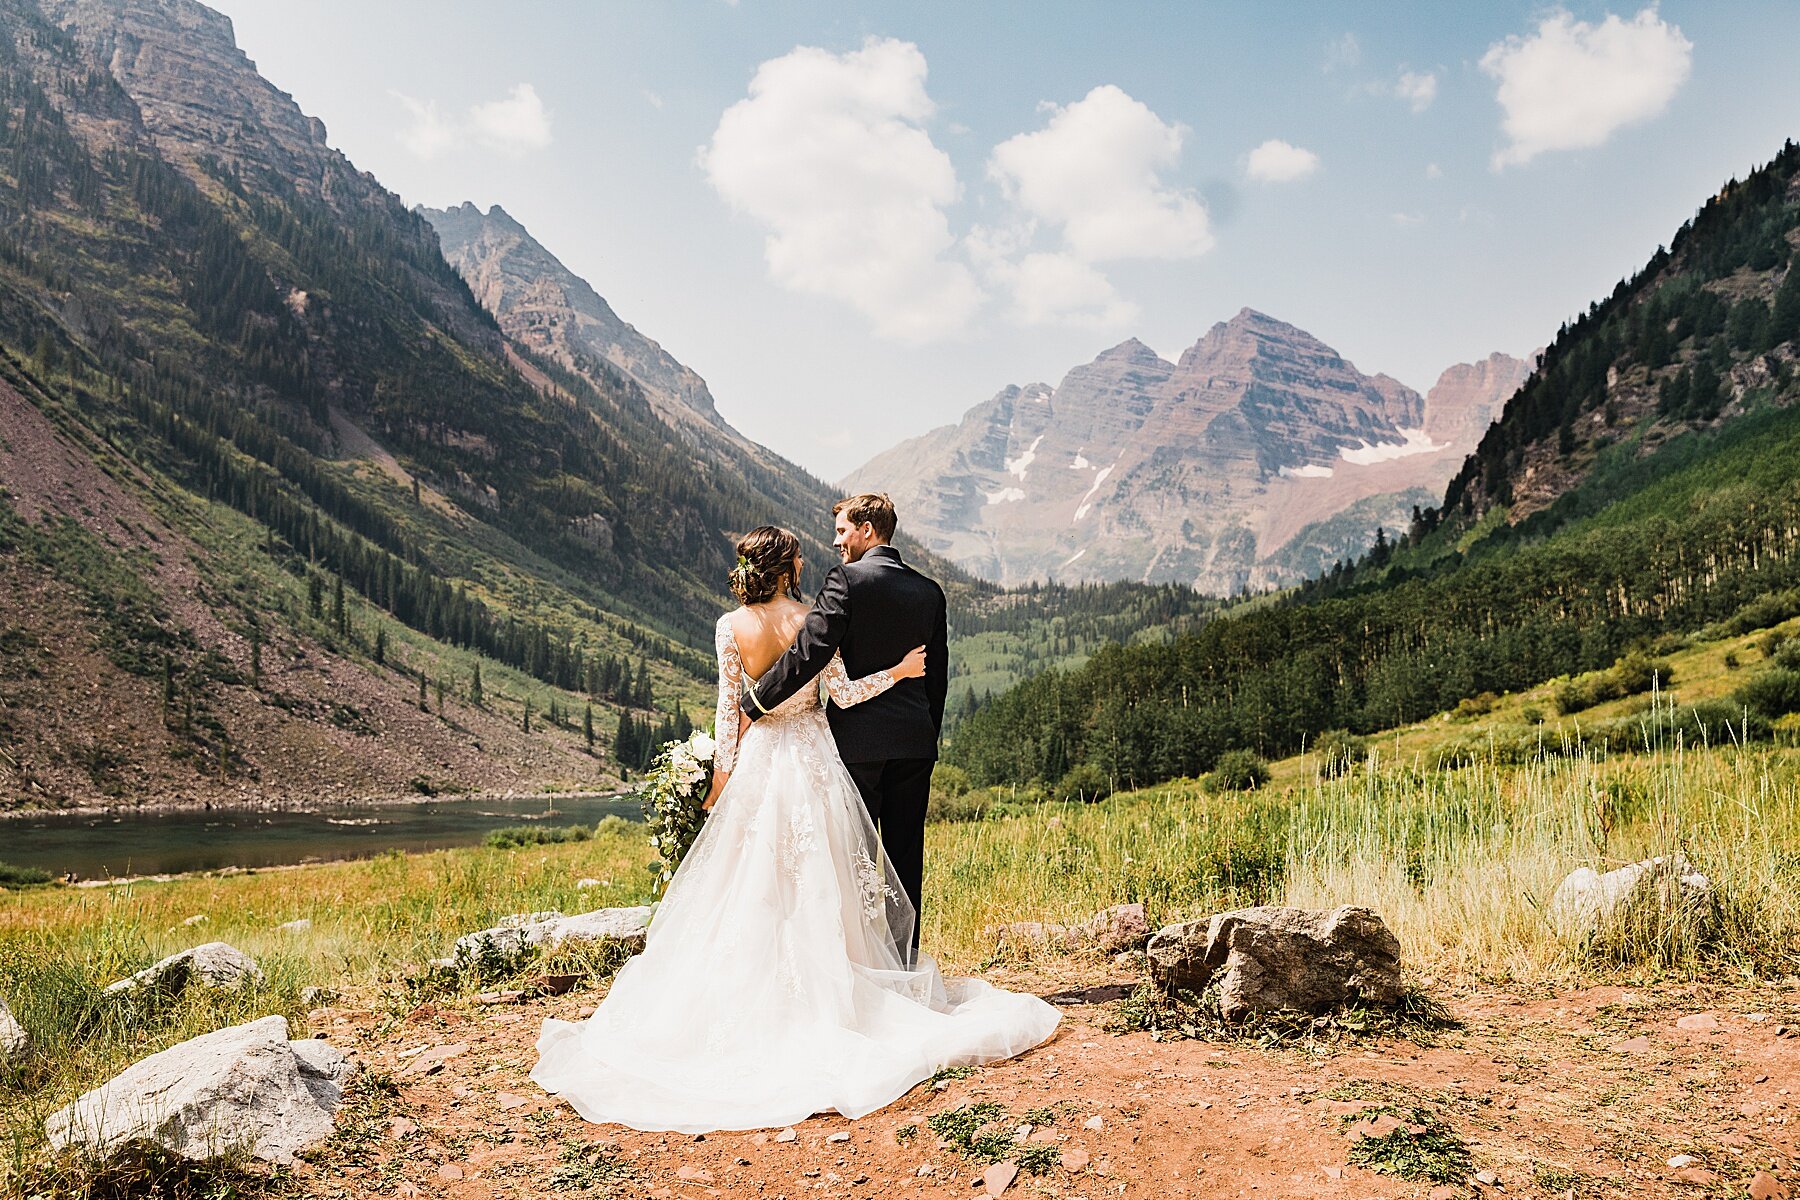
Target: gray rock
{"x":1271,"y":959}
{"x":213,"y":965}
{"x":1112,"y":930}
{"x":299,"y":925}
{"x":1585,"y":899}
{"x":517,"y":935}
{"x":14,"y":1041}
{"x":246,"y":1088}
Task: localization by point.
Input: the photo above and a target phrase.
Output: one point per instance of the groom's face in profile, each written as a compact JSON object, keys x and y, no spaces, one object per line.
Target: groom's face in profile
{"x":853,"y":541}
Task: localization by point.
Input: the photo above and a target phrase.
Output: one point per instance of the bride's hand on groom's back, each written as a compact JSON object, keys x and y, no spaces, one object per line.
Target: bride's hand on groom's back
{"x":912,"y":666}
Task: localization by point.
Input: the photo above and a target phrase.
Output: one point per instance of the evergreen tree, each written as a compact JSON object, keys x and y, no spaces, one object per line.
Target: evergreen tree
{"x":381,"y":650}
{"x":476,"y":696}
{"x":587,"y":727}
{"x":256,"y":655}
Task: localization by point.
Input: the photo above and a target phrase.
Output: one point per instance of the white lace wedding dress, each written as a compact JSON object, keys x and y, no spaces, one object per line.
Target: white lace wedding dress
{"x":770,"y":987}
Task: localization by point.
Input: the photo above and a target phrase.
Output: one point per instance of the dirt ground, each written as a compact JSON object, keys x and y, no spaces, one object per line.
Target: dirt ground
{"x":1672,"y":1091}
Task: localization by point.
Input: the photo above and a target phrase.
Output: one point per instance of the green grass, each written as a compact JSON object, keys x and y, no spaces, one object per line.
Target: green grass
{"x":1423,"y":1148}
{"x":1459,"y":862}
{"x":515,"y":836}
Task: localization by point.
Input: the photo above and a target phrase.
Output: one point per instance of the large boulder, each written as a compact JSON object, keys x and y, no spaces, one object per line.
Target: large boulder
{"x":1110,"y":931}
{"x":243,"y":1088}
{"x":1273,"y":959}
{"x":14,"y":1041}
{"x":1586,"y":898}
{"x":213,"y":965}
{"x":522,"y":933}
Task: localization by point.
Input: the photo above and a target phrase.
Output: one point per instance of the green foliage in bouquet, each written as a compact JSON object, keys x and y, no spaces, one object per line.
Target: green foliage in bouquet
{"x":674,"y":789}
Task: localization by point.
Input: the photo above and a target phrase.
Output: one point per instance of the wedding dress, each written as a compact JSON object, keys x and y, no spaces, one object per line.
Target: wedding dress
{"x":770,"y":987}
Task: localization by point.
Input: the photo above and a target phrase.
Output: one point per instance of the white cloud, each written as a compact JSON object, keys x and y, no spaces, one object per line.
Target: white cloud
{"x":829,"y":153}
{"x":1433,"y":171}
{"x":1418,"y":89}
{"x":1343,"y":53}
{"x":513,"y":125}
{"x":1407,"y":218}
{"x":1060,"y":289}
{"x":431,"y":133}
{"x":653,"y":99}
{"x":1571,"y":84}
{"x":1275,"y":161}
{"x":1094,"y":172}
{"x":516,"y":124}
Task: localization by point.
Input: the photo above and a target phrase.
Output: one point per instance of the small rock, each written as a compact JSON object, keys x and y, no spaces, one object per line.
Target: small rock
{"x":297,"y":926}
{"x":940,"y":1085}
{"x":1586,"y":898}
{"x":14,"y":1041}
{"x":1075,"y":1159}
{"x":998,"y":1177}
{"x":1487,"y":1179}
{"x":582,"y":885}
{"x":840,"y":1136}
{"x":430,"y":1061}
{"x":213,"y":965}
{"x":450,"y":1172}
{"x":317,"y":997}
{"x":787,"y":1135}
{"x":1021,"y":1133}
{"x":400,"y":1127}
{"x":196,"y":919}
{"x":1764,"y":1186}
{"x":1698,"y":1023}
{"x":1094,"y":1122}
{"x":925,"y":1171}
{"x":1682,"y":1160}
{"x":511,"y":1100}
{"x":1445,"y":1192}
{"x":692,"y":1174}
{"x":1636,"y":1045}
{"x":1333,"y":1172}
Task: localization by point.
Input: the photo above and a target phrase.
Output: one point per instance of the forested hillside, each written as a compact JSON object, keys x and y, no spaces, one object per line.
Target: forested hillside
{"x":294,"y":395}
{"x":1644,"y":480}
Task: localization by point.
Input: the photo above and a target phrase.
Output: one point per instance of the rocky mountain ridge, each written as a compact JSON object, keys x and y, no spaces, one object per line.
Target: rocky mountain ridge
{"x":1197,"y":471}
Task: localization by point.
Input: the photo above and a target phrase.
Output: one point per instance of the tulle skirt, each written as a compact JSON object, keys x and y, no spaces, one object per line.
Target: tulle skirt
{"x":771,"y":986}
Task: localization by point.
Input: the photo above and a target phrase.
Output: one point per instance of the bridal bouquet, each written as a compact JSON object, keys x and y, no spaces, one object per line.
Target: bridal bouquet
{"x":674,"y":789}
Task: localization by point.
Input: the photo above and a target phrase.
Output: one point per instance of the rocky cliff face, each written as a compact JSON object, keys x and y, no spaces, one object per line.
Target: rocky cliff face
{"x":1197,"y":471}
{"x":542,"y":304}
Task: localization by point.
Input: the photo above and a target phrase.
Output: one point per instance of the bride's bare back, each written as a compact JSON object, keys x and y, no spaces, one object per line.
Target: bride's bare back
{"x":764,"y":631}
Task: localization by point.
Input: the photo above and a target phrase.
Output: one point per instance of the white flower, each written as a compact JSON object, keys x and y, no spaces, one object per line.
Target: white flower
{"x":701,"y":745}
{"x":680,"y":760}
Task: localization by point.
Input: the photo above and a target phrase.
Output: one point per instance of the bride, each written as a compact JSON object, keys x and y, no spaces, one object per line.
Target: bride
{"x":774,"y":982}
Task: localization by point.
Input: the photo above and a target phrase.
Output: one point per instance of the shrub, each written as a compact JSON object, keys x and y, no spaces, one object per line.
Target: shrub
{"x":1339,"y":751}
{"x":1532,"y":714}
{"x":1771,"y":692}
{"x":1475,"y":706}
{"x":11,"y":876}
{"x":1631,"y":675}
{"x":1772,"y":642}
{"x":1763,"y":612}
{"x":514,"y":836}
{"x":1731,"y":660}
{"x":1084,"y":783}
{"x":1238,"y":771}
{"x":1708,"y":723}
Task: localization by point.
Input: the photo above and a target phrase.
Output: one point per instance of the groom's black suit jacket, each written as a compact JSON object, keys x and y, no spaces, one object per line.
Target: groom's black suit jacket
{"x":874,"y":610}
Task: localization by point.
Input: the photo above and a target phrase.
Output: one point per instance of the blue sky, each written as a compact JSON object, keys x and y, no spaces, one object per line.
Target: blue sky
{"x":857,"y":220}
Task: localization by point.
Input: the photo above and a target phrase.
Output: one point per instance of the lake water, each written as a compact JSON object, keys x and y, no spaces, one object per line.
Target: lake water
{"x":153,"y":843}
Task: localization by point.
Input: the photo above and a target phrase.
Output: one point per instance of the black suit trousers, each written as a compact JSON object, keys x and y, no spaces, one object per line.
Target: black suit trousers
{"x":895,"y":791}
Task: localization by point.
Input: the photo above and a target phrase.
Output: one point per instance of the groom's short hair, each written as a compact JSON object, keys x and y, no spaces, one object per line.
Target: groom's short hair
{"x":873,"y":507}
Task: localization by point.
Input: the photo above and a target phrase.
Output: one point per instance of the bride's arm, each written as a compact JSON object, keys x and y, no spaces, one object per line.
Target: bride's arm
{"x":846,"y":691}
{"x":727,"y":728}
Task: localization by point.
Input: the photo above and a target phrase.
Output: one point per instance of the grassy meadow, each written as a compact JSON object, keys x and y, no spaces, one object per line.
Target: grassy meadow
{"x":1459,"y":859}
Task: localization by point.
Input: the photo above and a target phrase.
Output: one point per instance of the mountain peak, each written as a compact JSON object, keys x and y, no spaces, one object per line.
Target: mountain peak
{"x":1129,"y":350}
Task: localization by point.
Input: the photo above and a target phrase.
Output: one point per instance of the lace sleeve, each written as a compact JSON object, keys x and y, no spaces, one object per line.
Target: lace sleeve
{"x":731,"y":690}
{"x":846,"y":691}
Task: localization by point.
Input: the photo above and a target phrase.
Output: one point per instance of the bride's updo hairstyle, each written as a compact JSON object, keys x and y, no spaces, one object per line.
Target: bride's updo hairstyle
{"x":765,"y":564}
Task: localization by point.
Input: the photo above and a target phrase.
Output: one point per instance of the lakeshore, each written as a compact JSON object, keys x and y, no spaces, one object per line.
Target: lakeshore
{"x":168,"y":841}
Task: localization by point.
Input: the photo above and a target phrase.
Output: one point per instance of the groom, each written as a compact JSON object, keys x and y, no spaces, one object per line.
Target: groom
{"x":874,"y":608}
